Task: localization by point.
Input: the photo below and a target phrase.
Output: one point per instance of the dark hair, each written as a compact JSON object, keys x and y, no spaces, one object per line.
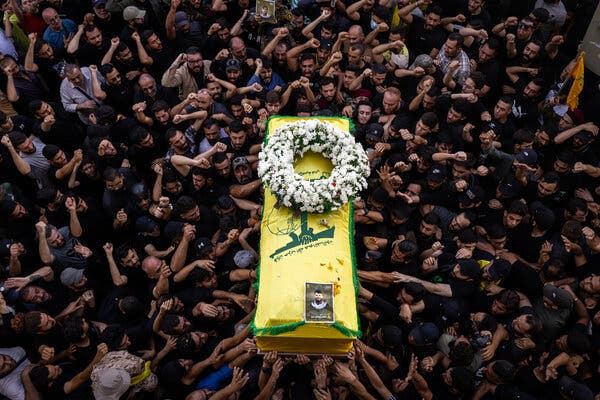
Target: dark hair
{"x":517,"y":207}
{"x":106,"y":69}
{"x":429,"y":119}
{"x":523,"y":135}
{"x":326,"y":80}
{"x":272,"y":97}
{"x":379,"y":69}
{"x":168,"y":323}
{"x":461,"y":354}
{"x":415,"y":290}
{"x":132,"y":307}
{"x":461,"y":106}
{"x":183,"y":205}
{"x":456,"y":37}
{"x":193,"y":50}
{"x":468,"y":235}
{"x":496,"y":231}
{"x":437,"y":10}
{"x":510,"y":300}
{"x":566,"y":156}
{"x":159,"y":105}
{"x":199,"y":275}
{"x":112,"y":335}
{"x":551,"y":177}
{"x":493,"y":43}
{"x":462,"y":379}
{"x":138,"y":133}
{"x":72,"y":328}
{"x":504,"y":370}
{"x":308,"y":56}
{"x":145,"y":35}
{"x":576,"y":204}
{"x":110,"y":174}
{"x":171,"y":133}
{"x":478,"y":78}
{"x":408,"y":248}
{"x":507,"y":99}
{"x":122,"y":250}
{"x":432,"y":219}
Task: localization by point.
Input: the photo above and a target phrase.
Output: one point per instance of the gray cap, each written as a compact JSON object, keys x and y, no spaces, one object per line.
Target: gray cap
{"x":243,"y":258}
{"x":423,"y":60}
{"x":110,"y":384}
{"x":71,"y":276}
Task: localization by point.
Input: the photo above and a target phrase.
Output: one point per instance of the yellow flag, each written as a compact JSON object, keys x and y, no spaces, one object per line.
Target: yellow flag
{"x":577,"y":87}
{"x":302,"y":254}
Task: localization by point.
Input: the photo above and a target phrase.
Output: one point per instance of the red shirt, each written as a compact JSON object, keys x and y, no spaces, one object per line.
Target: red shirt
{"x":34,"y":23}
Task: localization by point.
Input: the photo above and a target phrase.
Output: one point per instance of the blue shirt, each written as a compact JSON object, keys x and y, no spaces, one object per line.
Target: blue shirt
{"x":56,"y":39}
{"x":275,"y":81}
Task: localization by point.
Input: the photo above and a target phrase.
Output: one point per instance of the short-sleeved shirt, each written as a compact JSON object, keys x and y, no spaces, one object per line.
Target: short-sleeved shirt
{"x":66,"y":256}
{"x":56,"y":39}
{"x":11,"y":385}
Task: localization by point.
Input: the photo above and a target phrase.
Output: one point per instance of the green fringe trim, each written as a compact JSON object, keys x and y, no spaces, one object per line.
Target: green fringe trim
{"x":277,"y":329}
{"x":355,"y":280}
{"x":346,"y":331}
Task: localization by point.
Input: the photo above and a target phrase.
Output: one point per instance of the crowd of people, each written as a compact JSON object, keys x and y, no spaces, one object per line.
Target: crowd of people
{"x":130,"y":205}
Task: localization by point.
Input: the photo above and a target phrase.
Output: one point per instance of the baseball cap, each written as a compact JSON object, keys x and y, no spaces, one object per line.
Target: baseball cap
{"x":471,"y":196}
{"x":499,"y":268}
{"x":110,"y":384}
{"x":509,"y":186}
{"x":181,"y":19}
{"x":232,"y":65}
{"x":374,"y":132}
{"x":132,"y":12}
{"x":203,"y":246}
{"x":98,"y":3}
{"x":574,"y":390}
{"x":423,"y":334}
{"x":560,"y":297}
{"x":71,"y":276}
{"x":491,"y":127}
{"x":173,"y":229}
{"x":543,"y":216}
{"x":145,"y":224}
{"x":437,"y":173}
{"x":239,"y":162}
{"x":423,"y":60}
{"x":528,"y":157}
{"x":373,"y":255}
{"x":172,"y":372}
{"x":243,"y":259}
{"x":470,"y":268}
{"x":326,"y":44}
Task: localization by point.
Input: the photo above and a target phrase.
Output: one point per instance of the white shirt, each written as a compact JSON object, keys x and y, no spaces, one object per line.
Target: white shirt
{"x":11,"y":385}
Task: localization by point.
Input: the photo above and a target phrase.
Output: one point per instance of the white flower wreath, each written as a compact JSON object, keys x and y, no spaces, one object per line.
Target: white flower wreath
{"x":285,"y":144}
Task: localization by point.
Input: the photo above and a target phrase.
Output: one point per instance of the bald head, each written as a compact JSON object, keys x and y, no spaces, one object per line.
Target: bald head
{"x":356,"y":34}
{"x":151,"y":266}
{"x":145,"y":79}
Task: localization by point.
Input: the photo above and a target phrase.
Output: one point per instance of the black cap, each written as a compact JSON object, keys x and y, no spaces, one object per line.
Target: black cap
{"x":471,"y":196}
{"x":173,"y":229}
{"x":391,"y":335}
{"x":374,"y":132}
{"x":232,"y":65}
{"x":326,"y":44}
{"x":427,"y":333}
{"x":437,"y":173}
{"x":203,"y":246}
{"x":528,"y":157}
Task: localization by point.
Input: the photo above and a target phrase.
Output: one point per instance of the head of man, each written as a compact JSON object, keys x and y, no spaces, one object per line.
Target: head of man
{"x":111,"y":75}
{"x":525,"y":29}
{"x":238,"y":48}
{"x":433,"y":18}
{"x":453,"y":45}
{"x":327,"y":89}
{"x":194,"y":60}
{"x":488,"y":51}
{"x":151,"y":41}
{"x":532,"y":51}
{"x":147,"y":85}
{"x":151,"y":266}
{"x":307,"y":65}
{"x":503,"y":108}
{"x":52,"y":19}
{"x":391,"y":101}
{"x":355,"y":35}
{"x":93,"y":35}
{"x":177,"y":140}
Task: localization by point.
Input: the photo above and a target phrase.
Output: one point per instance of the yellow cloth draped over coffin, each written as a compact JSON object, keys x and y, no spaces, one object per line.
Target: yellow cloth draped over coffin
{"x":296,"y":248}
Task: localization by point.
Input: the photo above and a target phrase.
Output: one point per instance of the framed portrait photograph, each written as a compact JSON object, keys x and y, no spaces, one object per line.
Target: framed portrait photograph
{"x":318,"y":302}
{"x":265,"y":11}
